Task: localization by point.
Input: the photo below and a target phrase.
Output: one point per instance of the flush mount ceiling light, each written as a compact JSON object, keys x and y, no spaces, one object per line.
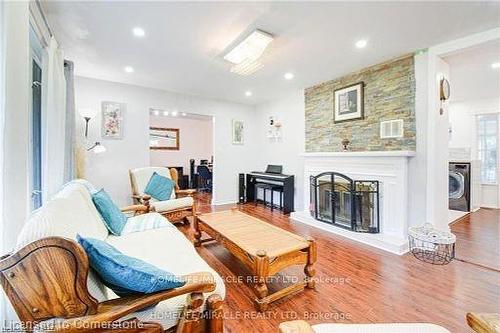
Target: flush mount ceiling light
{"x":156,"y":112}
{"x":138,"y":32}
{"x":245,"y":55}
{"x":288,"y":76}
{"x":495,"y":65}
{"x":248,"y":93}
{"x":361,"y":43}
{"x":129,"y":69}
{"x":174,"y":113}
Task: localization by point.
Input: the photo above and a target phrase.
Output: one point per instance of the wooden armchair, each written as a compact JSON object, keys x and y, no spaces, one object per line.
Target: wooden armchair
{"x":48,"y":279}
{"x":177,"y":209}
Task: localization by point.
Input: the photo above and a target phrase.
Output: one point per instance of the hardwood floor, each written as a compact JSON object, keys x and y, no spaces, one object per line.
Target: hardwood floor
{"x":357,"y":284}
{"x":478,"y":238}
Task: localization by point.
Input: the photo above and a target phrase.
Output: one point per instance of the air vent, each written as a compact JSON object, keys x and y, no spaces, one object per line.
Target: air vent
{"x":391,"y":129}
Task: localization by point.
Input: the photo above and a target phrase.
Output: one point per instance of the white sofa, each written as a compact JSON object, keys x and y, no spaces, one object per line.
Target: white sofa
{"x":149,"y":237}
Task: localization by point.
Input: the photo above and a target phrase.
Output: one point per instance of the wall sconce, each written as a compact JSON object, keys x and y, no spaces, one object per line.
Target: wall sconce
{"x":88,"y":114}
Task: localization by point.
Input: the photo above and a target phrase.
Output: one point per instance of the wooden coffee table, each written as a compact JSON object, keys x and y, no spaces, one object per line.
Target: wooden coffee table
{"x":262,"y":247}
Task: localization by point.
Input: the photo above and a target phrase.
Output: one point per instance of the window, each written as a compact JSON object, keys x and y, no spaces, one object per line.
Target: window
{"x":36,"y":121}
{"x":487,"y":133}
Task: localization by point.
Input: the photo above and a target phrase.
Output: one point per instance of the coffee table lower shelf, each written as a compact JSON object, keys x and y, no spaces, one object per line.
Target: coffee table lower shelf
{"x":261,"y":263}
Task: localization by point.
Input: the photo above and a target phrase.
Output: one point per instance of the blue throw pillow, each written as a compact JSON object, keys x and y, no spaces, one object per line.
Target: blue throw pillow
{"x":123,"y":274}
{"x":113,"y":217}
{"x":160,"y":187}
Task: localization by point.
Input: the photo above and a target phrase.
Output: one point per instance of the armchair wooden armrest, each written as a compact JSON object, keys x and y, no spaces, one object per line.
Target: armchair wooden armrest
{"x":484,"y":322}
{"x":48,"y":279}
{"x":141,"y":199}
{"x":136,"y":209}
{"x":185,"y":193}
{"x":295,"y":326}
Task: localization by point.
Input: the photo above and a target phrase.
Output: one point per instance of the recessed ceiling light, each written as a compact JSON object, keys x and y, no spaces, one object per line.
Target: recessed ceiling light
{"x":288,"y":76}
{"x":184,"y":114}
{"x":129,"y":69}
{"x":248,"y":93}
{"x":165,"y":113}
{"x":138,"y":32}
{"x":156,"y":112}
{"x":361,"y":43}
{"x":495,"y":65}
{"x":174,"y":113}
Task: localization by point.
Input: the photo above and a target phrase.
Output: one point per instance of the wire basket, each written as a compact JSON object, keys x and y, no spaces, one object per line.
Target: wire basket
{"x":431,"y":245}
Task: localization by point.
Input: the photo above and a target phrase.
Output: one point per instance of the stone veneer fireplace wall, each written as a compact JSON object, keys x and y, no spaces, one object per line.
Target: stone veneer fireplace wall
{"x":389,"y":94}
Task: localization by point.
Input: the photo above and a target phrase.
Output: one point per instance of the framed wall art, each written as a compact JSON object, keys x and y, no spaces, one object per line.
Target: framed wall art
{"x":164,"y":138}
{"x":238,"y":128}
{"x":112,"y":120}
{"x":348,"y":103}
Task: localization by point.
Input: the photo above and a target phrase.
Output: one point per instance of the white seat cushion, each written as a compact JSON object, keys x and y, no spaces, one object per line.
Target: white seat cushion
{"x":165,"y":206}
{"x":140,"y":178}
{"x":144,"y":222}
{"x":168,"y":249}
{"x":379,"y":328}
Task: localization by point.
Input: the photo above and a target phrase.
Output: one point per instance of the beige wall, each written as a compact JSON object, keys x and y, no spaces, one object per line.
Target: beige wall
{"x":195,"y":141}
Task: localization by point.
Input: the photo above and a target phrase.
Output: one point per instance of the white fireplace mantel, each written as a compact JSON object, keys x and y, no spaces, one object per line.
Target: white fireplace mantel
{"x":396,"y":153}
{"x":390,"y":168}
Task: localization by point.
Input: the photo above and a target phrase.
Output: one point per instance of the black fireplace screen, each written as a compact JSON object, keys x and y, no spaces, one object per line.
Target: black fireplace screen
{"x":346,"y":203}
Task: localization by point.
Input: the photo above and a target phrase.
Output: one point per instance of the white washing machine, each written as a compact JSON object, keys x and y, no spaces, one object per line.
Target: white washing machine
{"x":459,"y":186}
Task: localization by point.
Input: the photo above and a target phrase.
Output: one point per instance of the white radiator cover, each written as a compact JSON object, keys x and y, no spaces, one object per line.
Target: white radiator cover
{"x":390,"y":169}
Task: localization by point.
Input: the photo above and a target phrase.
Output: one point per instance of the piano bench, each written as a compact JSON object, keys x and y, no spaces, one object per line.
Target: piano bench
{"x":264,"y":187}
{"x":278,"y":189}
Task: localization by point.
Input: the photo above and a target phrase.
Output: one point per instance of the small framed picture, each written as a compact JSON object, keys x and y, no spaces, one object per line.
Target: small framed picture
{"x":238,"y":132}
{"x":164,"y":138}
{"x":349,"y":103}
{"x":112,"y":120}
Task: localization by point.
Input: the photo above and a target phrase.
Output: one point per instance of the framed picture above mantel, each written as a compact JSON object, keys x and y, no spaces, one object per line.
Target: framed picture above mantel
{"x":161,"y":138}
{"x":349,"y":103}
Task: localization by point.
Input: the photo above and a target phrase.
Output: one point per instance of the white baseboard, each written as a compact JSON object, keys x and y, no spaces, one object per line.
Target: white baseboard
{"x":223,"y":202}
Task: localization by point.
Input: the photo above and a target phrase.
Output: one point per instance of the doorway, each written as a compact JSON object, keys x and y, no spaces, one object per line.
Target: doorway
{"x":474,"y":137}
{"x":184,"y":141}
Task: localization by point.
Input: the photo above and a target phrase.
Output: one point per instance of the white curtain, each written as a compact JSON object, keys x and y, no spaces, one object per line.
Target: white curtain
{"x":55,"y":120}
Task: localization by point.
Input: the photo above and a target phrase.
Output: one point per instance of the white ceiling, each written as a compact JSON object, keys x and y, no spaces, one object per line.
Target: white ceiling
{"x":185,"y":41}
{"x":471,"y":75}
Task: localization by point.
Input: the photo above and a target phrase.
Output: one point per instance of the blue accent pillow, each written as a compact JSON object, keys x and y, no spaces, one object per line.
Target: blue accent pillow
{"x":126,"y":275}
{"x":159,"y":187}
{"x":113,"y":217}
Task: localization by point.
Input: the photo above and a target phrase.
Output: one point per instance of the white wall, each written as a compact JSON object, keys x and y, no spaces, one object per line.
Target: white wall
{"x":289,"y":110}
{"x":462,"y":123}
{"x":15,"y":131}
{"x":195,"y":141}
{"x":16,"y":134}
{"x":110,"y":169}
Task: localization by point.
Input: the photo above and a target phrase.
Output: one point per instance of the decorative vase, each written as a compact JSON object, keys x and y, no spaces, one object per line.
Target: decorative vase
{"x":345,"y":144}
